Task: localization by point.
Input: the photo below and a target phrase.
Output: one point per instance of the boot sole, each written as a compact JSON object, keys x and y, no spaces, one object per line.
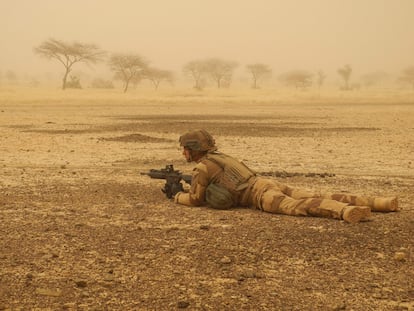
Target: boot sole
{"x":355,"y":214}
{"x":385,"y":205}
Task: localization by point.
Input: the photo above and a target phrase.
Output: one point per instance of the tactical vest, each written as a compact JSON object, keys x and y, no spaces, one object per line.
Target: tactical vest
{"x":235,"y":173}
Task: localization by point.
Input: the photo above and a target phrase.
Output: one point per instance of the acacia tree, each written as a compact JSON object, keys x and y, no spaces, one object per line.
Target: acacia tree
{"x":220,"y":71}
{"x":69,"y":54}
{"x":196,"y":69}
{"x":157,"y":75}
{"x":129,"y":68}
{"x":407,"y":76}
{"x":258,"y":72}
{"x":345,"y":73}
{"x":297,"y":78}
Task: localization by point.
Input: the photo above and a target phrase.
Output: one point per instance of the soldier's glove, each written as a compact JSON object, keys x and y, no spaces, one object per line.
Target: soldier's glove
{"x":170,"y":190}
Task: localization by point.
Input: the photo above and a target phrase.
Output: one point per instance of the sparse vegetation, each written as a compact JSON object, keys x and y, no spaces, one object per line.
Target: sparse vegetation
{"x":73,"y":83}
{"x":220,"y":71}
{"x":129,"y":68}
{"x":345,"y":73}
{"x":300,"y":79}
{"x":217,"y":70}
{"x":197,"y":71}
{"x":156,"y":76}
{"x":68,"y":54}
{"x":100,"y":83}
{"x":258,"y":72}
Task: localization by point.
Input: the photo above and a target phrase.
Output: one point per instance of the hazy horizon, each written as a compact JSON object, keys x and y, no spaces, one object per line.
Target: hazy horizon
{"x":370,"y":35}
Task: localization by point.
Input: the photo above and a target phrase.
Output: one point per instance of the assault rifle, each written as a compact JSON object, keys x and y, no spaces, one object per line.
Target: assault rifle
{"x":172,"y":178}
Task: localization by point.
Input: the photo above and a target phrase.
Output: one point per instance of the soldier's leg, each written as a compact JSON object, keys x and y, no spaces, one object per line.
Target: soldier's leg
{"x":377,"y":204}
{"x":275,"y":201}
{"x":296,"y":193}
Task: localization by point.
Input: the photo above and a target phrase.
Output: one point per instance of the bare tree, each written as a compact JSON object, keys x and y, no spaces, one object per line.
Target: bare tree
{"x":129,"y":68}
{"x":320,"y":78}
{"x":407,"y":76}
{"x":220,"y":71}
{"x":345,"y":73}
{"x":69,"y":54}
{"x":258,"y":72}
{"x":297,"y":78}
{"x":197,"y":70}
{"x":157,"y":75}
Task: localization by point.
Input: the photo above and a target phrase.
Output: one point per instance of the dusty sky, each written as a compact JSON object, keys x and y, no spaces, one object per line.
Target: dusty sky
{"x":370,"y":35}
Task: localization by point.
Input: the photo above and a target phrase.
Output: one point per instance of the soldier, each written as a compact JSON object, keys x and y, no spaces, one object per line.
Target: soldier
{"x":220,"y":181}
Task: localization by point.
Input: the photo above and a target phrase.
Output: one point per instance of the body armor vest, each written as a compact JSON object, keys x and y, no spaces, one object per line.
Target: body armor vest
{"x":235,"y":175}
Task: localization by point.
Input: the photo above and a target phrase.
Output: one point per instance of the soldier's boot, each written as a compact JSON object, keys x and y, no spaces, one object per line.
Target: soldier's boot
{"x":377,"y":204}
{"x":354,"y":214}
{"x":385,"y":204}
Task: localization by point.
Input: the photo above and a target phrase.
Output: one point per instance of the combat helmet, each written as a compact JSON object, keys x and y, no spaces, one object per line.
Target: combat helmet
{"x":199,"y":140}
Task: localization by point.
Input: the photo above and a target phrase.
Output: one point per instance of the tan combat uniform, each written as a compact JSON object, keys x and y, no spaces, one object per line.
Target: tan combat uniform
{"x":274,"y":197}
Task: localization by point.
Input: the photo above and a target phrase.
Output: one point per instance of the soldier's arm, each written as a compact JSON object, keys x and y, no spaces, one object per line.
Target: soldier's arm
{"x":197,"y":193}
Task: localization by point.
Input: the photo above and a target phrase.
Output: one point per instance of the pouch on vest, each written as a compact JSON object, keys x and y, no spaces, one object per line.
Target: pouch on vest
{"x":218,"y":197}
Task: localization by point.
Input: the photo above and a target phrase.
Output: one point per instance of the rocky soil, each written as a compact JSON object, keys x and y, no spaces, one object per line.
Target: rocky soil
{"x":81,"y":229}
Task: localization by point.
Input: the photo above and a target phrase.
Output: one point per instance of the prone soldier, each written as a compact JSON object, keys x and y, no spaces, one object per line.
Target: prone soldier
{"x":221,"y":181}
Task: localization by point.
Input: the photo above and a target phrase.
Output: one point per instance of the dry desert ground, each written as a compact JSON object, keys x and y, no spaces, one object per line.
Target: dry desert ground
{"x":81,"y":229}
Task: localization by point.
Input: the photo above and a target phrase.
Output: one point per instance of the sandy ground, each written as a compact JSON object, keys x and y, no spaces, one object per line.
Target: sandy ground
{"x":81,"y":229}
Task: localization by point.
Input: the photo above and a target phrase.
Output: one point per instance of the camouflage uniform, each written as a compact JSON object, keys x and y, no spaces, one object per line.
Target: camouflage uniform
{"x":272,"y":196}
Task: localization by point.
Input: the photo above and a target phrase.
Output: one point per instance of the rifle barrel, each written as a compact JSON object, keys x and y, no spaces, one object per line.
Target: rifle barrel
{"x":160,"y":174}
{"x":156,"y":175}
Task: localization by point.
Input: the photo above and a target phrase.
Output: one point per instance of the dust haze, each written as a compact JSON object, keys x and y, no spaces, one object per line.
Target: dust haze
{"x":328,"y":105}
{"x":371,"y":35}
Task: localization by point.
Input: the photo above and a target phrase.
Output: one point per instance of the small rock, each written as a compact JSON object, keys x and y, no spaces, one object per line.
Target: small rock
{"x":48,"y":292}
{"x":400,"y":256}
{"x":81,"y":283}
{"x":341,"y":306}
{"x":225,"y":260}
{"x":204,"y":227}
{"x":183,"y":304}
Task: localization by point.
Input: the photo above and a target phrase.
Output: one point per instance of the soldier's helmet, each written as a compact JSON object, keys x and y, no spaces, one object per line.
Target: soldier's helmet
{"x":199,"y":140}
